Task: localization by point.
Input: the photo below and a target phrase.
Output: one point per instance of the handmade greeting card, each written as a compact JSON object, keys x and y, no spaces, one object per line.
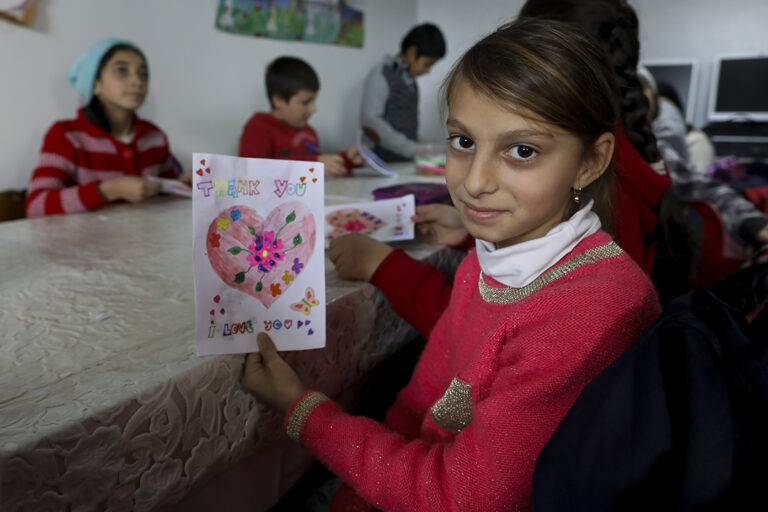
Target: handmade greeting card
{"x":385,"y":220}
{"x":258,"y":256}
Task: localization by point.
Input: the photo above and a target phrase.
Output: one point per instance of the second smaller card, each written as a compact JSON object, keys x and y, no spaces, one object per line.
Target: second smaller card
{"x":387,"y":220}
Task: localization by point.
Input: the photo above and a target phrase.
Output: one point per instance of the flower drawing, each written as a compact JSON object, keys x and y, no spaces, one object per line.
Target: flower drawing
{"x":213,"y":239}
{"x":297,"y":266}
{"x":354,"y":225}
{"x":265,"y":251}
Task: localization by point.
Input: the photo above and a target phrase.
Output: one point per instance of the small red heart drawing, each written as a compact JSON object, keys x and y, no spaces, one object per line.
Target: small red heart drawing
{"x":199,"y":172}
{"x":221,"y":311}
{"x":213,"y":312}
{"x":216,"y":299}
{"x":314,"y":180}
{"x":202,"y":162}
{"x":208,"y":170}
{"x":311,"y":169}
{"x":302,"y":179}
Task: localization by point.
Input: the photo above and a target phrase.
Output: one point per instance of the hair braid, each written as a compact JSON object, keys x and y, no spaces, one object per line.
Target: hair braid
{"x":613,"y":25}
{"x":624,"y":50}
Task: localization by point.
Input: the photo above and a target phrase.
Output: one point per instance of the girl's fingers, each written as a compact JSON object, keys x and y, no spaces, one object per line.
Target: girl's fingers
{"x":267,"y":348}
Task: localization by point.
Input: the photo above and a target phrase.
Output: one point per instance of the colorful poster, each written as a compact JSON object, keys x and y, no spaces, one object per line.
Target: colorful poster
{"x":258,"y":258}
{"x":318,"y":21}
{"x":386,"y":220}
{"x":18,"y":11}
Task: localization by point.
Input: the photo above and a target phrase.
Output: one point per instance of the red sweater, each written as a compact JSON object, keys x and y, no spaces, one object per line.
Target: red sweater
{"x":265,"y":136}
{"x":77,"y":155}
{"x":500,"y":370}
{"x":637,"y":193}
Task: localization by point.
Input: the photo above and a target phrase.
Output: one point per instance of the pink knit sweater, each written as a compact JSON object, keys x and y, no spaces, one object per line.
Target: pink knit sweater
{"x":500,"y":370}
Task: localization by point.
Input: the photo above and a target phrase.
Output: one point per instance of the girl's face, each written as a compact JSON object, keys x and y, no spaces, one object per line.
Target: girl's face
{"x":510,"y":177}
{"x":123,"y":81}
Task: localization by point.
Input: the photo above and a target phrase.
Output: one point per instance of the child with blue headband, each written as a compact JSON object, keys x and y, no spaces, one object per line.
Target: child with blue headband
{"x":107,"y":153}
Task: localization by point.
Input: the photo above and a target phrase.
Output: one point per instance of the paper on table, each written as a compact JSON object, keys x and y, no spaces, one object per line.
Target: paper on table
{"x":372,"y":158}
{"x":174,"y":187}
{"x":259,"y":264}
{"x":386,"y":220}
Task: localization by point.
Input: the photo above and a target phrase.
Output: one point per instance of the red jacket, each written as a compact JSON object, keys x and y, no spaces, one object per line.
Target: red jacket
{"x":500,"y":370}
{"x":77,"y":155}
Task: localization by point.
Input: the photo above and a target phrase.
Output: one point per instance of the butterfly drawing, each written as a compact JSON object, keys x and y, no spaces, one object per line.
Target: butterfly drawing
{"x":307,"y":302}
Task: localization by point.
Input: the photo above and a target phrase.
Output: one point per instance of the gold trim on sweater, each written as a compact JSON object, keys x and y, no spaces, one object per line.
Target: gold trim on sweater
{"x":453,"y":411}
{"x":300,"y":413}
{"x":508,"y":295}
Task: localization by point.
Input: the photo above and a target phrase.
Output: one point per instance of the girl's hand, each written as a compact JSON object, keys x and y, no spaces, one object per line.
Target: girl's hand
{"x":439,"y":224}
{"x":334,"y":165}
{"x":269,"y":378}
{"x":353,"y":153}
{"x":357,"y":256}
{"x":186,"y":178}
{"x":130,"y":188}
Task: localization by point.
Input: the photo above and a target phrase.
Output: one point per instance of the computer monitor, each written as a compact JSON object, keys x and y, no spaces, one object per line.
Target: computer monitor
{"x":683,"y":75}
{"x":739,"y":89}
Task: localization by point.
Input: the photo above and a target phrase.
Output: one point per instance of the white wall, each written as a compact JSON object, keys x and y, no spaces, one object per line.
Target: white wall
{"x":669,"y":29}
{"x":204,"y":83}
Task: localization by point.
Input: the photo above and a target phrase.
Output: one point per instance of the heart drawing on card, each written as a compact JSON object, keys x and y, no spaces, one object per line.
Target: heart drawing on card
{"x":352,"y":220}
{"x":258,"y":256}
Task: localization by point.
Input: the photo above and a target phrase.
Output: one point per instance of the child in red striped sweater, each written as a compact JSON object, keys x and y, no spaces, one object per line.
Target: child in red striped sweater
{"x":544,"y":302}
{"x":107,"y":153}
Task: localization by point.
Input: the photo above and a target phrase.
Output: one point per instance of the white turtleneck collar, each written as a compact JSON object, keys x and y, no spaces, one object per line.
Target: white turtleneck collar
{"x":519,"y":264}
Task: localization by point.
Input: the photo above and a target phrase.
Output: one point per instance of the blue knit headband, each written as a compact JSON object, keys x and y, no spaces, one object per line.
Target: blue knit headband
{"x":82,"y":74}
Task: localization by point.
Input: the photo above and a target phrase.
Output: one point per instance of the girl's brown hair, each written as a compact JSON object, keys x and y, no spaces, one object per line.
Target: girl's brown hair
{"x":547,"y":71}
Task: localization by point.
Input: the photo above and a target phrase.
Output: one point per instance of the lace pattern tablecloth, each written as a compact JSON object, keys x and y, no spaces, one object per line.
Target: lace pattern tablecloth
{"x":103,"y":403}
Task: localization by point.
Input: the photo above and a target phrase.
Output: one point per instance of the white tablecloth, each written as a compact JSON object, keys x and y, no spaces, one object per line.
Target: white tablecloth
{"x":104,"y":404}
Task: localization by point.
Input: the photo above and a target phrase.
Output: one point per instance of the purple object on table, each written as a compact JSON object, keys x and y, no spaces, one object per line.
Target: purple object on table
{"x":424,"y":193}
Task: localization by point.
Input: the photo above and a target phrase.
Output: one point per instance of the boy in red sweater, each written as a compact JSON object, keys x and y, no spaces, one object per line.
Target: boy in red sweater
{"x":544,"y":302}
{"x":284,"y":133}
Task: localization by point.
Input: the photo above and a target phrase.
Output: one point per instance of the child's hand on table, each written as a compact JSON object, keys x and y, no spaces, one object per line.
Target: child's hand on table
{"x":334,"y":165}
{"x":357,"y":256}
{"x":353,"y":154}
{"x":130,"y":188}
{"x":186,"y":178}
{"x":269,"y":377}
{"x":439,"y":224}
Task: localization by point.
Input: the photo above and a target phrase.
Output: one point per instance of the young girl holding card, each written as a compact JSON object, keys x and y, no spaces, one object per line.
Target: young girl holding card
{"x":107,"y":153}
{"x":544,"y":303}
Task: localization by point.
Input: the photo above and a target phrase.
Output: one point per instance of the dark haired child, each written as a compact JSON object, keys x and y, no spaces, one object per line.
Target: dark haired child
{"x":107,"y":153}
{"x":390,"y":105}
{"x":543,"y":304}
{"x":284,"y":132}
